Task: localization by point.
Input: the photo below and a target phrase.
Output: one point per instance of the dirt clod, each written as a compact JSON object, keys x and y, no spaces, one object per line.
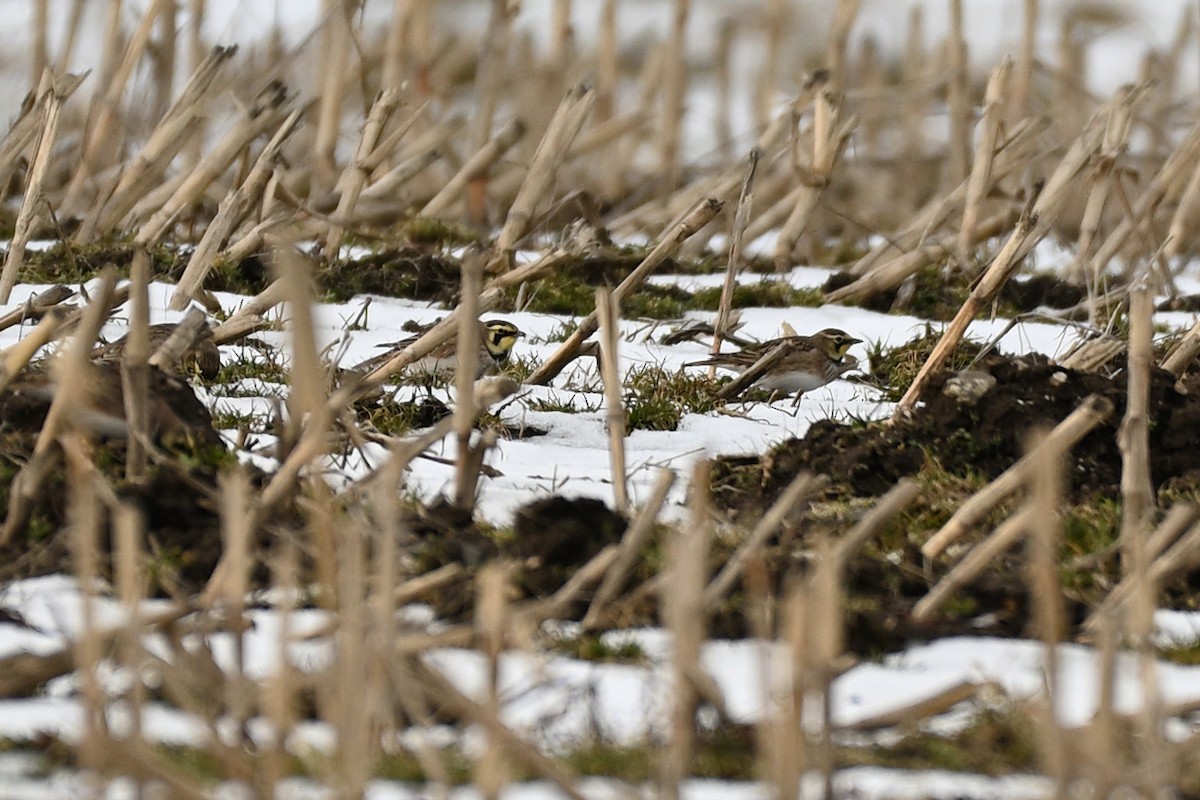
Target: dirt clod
{"x":987,"y":437}
{"x":176,"y":496}
{"x":954,"y":446}
{"x":562,"y":533}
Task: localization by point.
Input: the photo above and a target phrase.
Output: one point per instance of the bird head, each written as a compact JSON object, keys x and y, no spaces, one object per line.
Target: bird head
{"x":499,"y":336}
{"x":834,"y":342}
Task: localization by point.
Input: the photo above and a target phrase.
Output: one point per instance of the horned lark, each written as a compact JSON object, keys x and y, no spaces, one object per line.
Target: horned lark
{"x":496,"y":340}
{"x":174,"y":415}
{"x":203,"y":353}
{"x":807,"y":362}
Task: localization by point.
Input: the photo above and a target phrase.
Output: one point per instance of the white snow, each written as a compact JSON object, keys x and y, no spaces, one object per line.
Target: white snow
{"x":560,"y":702}
{"x":555,"y":700}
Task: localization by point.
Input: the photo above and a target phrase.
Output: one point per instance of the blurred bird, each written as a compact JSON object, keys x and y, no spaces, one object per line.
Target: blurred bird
{"x":202,"y":355}
{"x":174,"y":415}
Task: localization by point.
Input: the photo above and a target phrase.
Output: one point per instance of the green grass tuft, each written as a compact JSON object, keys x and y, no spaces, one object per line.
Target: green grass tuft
{"x":656,"y":400}
{"x":589,"y":647}
{"x":250,"y":365}
{"x":893,"y":370}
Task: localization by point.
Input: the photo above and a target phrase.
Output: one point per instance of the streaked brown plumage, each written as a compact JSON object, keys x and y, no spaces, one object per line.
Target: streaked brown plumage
{"x":496,"y":340}
{"x":807,"y":363}
{"x":203,"y":353}
{"x":174,"y":415}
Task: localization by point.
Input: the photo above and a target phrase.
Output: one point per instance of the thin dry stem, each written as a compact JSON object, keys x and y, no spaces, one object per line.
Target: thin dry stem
{"x":99,"y":148}
{"x":610,"y":316}
{"x":828,"y":140}
{"x":28,"y":215}
{"x":266,"y":112}
{"x":1090,"y":413}
{"x":467,"y":357}
{"x":674,"y":90}
{"x":135,"y":360}
{"x":145,"y":170}
{"x":551,"y":151}
{"x":698,"y":218}
{"x":354,"y":179}
{"x":958,"y":99}
{"x":1045,"y":539}
{"x":980,"y":180}
{"x":973,"y":564}
{"x":235,"y":205}
{"x":801,"y":487}
{"x":1137,"y":493}
{"x":683,"y":610}
{"x":475,"y":167}
{"x":741,"y":219}
{"x":636,"y":535}
{"x":13,"y":359}
{"x":1033,"y":225}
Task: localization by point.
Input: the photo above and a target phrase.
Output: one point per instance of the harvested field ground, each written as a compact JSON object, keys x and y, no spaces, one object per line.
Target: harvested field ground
{"x":987,"y":436}
{"x":266,"y":534}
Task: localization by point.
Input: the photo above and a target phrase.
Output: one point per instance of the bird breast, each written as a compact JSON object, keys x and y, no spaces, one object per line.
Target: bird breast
{"x":792,"y":382}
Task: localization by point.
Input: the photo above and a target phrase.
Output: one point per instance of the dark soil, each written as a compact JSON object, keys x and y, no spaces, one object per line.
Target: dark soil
{"x":987,"y":437}
{"x":421,"y":271}
{"x":1028,"y":294}
{"x":177,"y":497}
{"x":551,"y":539}
{"x":936,"y":295}
{"x":557,"y":535}
{"x":447,"y":534}
{"x":981,"y":439}
{"x":415,"y":273}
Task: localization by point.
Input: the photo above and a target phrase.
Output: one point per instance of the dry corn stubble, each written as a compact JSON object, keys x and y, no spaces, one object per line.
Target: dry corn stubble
{"x":127,"y":165}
